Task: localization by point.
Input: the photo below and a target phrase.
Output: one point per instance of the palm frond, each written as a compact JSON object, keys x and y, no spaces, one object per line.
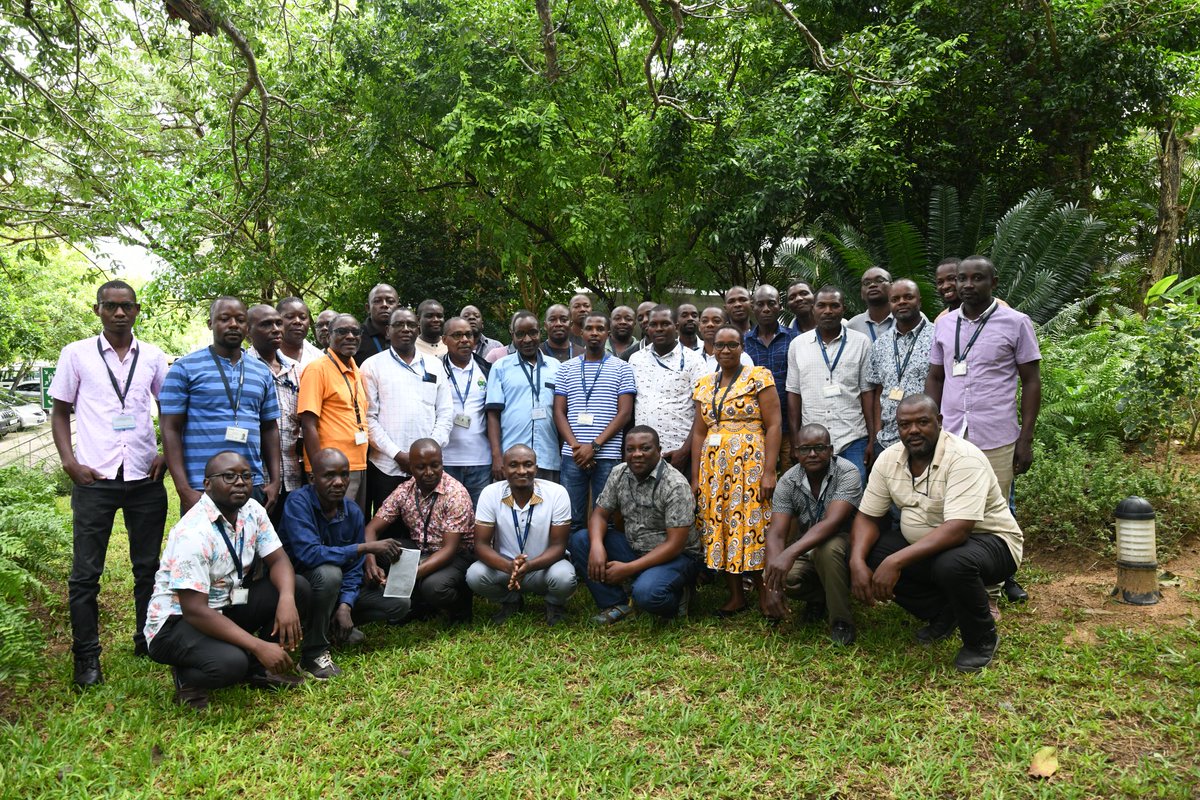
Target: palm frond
{"x":979,"y":219}
{"x":945,"y":230}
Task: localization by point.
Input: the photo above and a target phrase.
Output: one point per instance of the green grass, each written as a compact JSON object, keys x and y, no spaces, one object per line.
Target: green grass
{"x":703,"y":709}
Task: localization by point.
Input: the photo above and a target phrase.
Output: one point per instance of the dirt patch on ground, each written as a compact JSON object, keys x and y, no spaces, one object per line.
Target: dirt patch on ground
{"x":1081,"y":588}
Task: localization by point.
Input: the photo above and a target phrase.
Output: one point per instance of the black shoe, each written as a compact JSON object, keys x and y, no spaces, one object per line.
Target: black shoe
{"x":972,"y":658}
{"x":507,"y":611}
{"x":842,"y":632}
{"x":1014,"y":591}
{"x":555,"y":614}
{"x":190,"y":696}
{"x":814,"y":613}
{"x":940,"y":627}
{"x":141,"y":649}
{"x":87,"y":672}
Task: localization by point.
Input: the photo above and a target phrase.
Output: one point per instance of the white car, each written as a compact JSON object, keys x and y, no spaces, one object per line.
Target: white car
{"x":30,"y":414}
{"x":28,"y":390}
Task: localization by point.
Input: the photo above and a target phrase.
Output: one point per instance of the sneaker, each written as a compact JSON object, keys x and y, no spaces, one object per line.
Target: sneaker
{"x":940,"y":627}
{"x":322,"y":667}
{"x":842,"y":632}
{"x":613,"y":614}
{"x":507,"y":611}
{"x":193,"y":697}
{"x":555,"y":614}
{"x":973,"y":658}
{"x":1014,"y":592}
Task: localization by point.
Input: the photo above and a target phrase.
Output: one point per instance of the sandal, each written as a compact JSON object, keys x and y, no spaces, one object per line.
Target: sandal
{"x":613,"y":614}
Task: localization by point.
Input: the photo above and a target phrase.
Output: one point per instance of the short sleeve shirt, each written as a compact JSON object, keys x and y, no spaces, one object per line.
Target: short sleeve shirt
{"x":196,"y":558}
{"x":664,"y":392}
{"x":593,"y":390}
{"x":773,"y":356}
{"x":287,"y":388}
{"x":335,"y":392}
{"x":839,"y":369}
{"x":550,"y":505}
{"x":517,"y":389}
{"x":898,"y":361}
{"x":446,"y":510}
{"x":958,"y":484}
{"x":194,"y":388}
{"x":661,"y":500}
{"x":794,"y":497}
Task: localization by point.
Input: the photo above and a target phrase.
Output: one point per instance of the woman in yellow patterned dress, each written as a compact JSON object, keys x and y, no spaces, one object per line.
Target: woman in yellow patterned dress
{"x":735,"y":444}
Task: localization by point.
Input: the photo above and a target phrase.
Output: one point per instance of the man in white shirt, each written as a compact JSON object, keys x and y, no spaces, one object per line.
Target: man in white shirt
{"x":521,"y":528}
{"x":408,"y":398}
{"x":468,"y":456}
{"x":665,"y":374}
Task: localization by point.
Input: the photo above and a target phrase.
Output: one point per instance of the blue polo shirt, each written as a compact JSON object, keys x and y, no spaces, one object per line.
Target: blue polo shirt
{"x":194,"y":389}
{"x":775,"y":358}
{"x":515,"y":388}
{"x":312,"y":540}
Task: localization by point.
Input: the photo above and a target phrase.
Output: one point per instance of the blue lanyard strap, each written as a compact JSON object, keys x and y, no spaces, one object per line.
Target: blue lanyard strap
{"x":587,"y":393}
{"x":408,"y":366}
{"x":668,"y":366}
{"x":535,"y":380}
{"x":462,"y":398}
{"x":902,"y":368}
{"x":522,"y":540}
{"x":825,"y":353}
{"x":234,"y":402}
{"x":235,"y":554}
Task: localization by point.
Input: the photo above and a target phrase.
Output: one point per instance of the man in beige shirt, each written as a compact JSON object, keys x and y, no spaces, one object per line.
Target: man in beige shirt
{"x":956,"y":534}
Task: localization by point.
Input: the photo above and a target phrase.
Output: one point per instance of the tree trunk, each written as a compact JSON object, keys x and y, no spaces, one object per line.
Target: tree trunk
{"x":1170,"y":211}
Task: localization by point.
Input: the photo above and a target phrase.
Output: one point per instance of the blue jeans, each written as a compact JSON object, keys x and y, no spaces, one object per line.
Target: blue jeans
{"x":656,"y":590}
{"x":577,"y":481}
{"x":856,"y":454}
{"x":474,"y":478}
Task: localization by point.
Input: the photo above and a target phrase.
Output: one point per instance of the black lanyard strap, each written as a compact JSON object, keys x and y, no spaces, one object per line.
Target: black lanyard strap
{"x":983,"y":320}
{"x":121,"y":395}
{"x":535,"y":380}
{"x":235,"y":554}
{"x":234,"y":402}
{"x":428,"y":515}
{"x":902,"y":368}
{"x":462,"y":398}
{"x":523,"y":540}
{"x":718,"y":408}
{"x":353,"y":392}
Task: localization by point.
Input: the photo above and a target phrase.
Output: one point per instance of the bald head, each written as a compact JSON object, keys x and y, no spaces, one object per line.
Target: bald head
{"x":919,"y":403}
{"x":330,"y":458}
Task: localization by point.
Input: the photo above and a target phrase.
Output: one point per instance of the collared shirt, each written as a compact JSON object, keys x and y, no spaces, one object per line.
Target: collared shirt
{"x":194,"y":389}
{"x":486,"y":345}
{"x":595,"y":388}
{"x":794,"y":497}
{"x":287,"y":391}
{"x":467,"y":447}
{"x":869,"y":327}
{"x":958,"y":484}
{"x":773,"y":356}
{"x":82,"y":380}
{"x":312,"y":539}
{"x":435,"y":350}
{"x":549,"y":505}
{"x":981,"y":406}
{"x":661,"y":500}
{"x":196,"y":557}
{"x":309,"y":353}
{"x":609,"y":347}
{"x":794,"y":327}
{"x":664,"y":392}
{"x":406,"y":401}
{"x":509,"y":392}
{"x":447,"y":509}
{"x":888,"y":355}
{"x":565,"y":354}
{"x":333,"y":391}
{"x":808,"y":375}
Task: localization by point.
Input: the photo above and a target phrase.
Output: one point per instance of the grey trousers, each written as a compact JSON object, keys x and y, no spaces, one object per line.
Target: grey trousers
{"x":556,"y":583}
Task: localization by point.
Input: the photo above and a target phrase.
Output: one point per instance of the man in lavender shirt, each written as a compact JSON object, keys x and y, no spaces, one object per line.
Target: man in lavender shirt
{"x":980,"y":352}
{"x":110,"y":381}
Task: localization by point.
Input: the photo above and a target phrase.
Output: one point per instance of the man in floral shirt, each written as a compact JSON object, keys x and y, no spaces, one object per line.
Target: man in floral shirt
{"x":209,"y":618}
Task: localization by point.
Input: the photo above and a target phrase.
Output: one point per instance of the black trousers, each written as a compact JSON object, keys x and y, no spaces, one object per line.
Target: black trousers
{"x":379,"y":486}
{"x":954,"y":579}
{"x":208,"y":663}
{"x":443,"y":591}
{"x":94,"y":508}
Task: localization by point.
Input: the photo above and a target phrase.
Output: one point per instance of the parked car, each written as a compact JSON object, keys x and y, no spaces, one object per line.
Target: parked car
{"x":29,"y":390}
{"x":9,"y":421}
{"x":30,"y":414}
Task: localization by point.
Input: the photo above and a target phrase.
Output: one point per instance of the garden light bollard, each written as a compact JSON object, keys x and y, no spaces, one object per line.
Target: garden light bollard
{"x":1137,"y":560}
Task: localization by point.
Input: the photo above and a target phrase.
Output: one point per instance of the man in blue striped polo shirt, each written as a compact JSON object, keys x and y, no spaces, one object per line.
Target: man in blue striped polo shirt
{"x":215,"y":400}
{"x":593,"y":402}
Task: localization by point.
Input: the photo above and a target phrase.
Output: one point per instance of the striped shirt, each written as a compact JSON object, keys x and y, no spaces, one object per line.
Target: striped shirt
{"x":593,"y":387}
{"x":194,"y":389}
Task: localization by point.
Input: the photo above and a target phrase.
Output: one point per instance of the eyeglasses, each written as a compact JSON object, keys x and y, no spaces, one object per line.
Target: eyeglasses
{"x":350,"y":333}
{"x":400,"y":326}
{"x":726,"y":345}
{"x":526,"y":334}
{"x":815,"y":449}
{"x":231,"y":478}
{"x":461,"y":335}
{"x":112,"y":307}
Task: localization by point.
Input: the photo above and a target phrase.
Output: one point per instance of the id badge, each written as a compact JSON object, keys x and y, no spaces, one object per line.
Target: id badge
{"x":123,"y":422}
{"x":360,"y":437}
{"x":462,"y":420}
{"x":236,"y":434}
{"x":896,"y":393}
{"x":586,"y":418}
{"x":713,"y":440}
{"x":959,"y":369}
{"x":539,"y":412}
{"x":239,"y":596}
{"x":830,"y":390}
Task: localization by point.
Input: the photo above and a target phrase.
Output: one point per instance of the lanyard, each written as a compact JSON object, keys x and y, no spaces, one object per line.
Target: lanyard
{"x":587,"y":393}
{"x":408,"y":366}
{"x":825,"y":353}
{"x":983,"y":320}
{"x":522,"y":540}
{"x":353,"y":392}
{"x":234,"y":403}
{"x":121,"y":395}
{"x":653,"y":492}
{"x":462,"y":398}
{"x":428,"y":515}
{"x":717,"y":409}
{"x":831,"y":477}
{"x":668,"y":366}
{"x":236,"y":555}
{"x":902,"y":368}
{"x":535,"y":381}
{"x":871,"y":330}
{"x":379,"y":348}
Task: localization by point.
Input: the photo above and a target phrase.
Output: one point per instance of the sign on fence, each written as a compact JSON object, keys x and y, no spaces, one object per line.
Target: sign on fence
{"x":47,"y":376}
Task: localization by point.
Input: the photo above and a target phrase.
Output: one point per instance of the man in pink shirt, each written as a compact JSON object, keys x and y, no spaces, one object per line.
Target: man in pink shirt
{"x":110,"y":381}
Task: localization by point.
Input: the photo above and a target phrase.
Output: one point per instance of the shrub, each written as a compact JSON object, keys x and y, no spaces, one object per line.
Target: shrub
{"x":1162,"y":387}
{"x":34,"y":542}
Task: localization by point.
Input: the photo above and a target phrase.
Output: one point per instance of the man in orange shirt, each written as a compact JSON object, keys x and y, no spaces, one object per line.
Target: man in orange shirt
{"x":332,"y":405}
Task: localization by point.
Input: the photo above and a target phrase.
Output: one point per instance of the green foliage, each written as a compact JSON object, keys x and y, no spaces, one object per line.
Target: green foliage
{"x":34,"y":542}
{"x":1071,"y":492}
{"x":46,"y":298}
{"x":1162,"y":388}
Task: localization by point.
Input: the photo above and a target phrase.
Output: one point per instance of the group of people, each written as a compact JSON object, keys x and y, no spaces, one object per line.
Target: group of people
{"x":817,"y":460}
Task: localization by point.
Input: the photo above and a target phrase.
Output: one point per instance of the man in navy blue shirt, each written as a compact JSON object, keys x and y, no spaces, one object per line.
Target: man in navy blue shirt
{"x":767,"y":345}
{"x":323,"y":534}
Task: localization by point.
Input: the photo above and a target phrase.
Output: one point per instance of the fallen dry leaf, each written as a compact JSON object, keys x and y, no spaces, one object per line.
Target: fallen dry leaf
{"x":1045,"y":763}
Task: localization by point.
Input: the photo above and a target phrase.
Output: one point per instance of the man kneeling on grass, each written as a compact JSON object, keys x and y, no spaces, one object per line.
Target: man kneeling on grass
{"x":521,"y":528}
{"x":211,"y":617}
{"x":658,"y":554}
{"x":956,"y":533}
{"x":323,"y":533}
